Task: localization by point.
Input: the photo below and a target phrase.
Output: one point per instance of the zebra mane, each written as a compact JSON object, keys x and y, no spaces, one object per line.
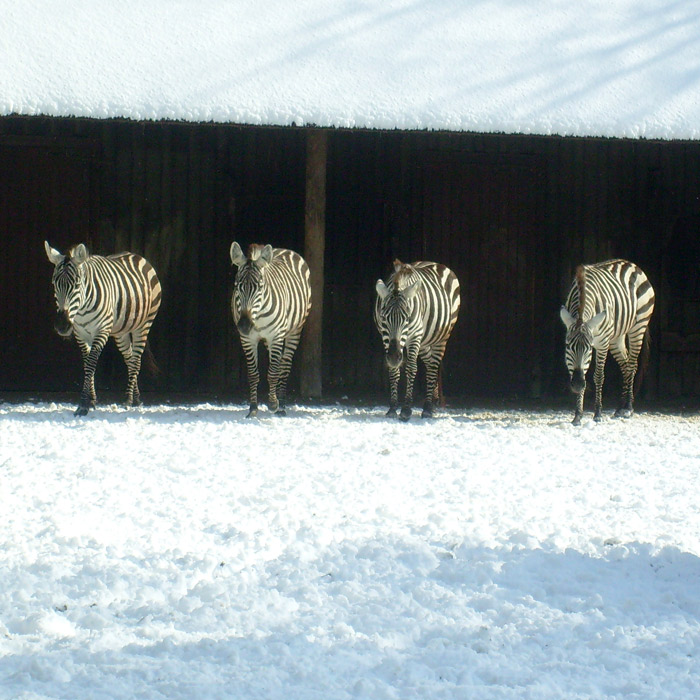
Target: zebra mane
{"x":78,"y":252}
{"x":404,"y":275}
{"x":581,"y":283}
{"x":254,"y":250}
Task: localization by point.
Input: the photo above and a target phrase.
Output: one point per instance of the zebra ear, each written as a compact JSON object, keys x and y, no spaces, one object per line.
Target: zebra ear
{"x":411,"y":290}
{"x":265,"y":256}
{"x":52,"y":254}
{"x":80,"y":254}
{"x":595,"y":322}
{"x":382,"y":290}
{"x":237,"y":257}
{"x":567,"y":317}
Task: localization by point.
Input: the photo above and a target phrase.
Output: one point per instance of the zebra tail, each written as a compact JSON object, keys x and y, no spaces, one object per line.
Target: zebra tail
{"x":643,"y":361}
{"x":150,"y":361}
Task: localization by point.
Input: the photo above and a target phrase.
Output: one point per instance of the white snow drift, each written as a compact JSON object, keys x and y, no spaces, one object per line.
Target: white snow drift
{"x":590,"y":68}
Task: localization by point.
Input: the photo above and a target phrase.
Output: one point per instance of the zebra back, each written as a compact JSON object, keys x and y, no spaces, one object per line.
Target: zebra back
{"x":123,"y":288}
{"x":618,"y":287}
{"x":436,"y":302}
{"x":289,"y":286}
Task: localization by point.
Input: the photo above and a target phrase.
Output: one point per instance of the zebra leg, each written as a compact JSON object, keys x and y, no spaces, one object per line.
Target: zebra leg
{"x":84,"y":352}
{"x":88,"y":397}
{"x":598,"y":378}
{"x":251,"y":356}
{"x":138,"y":346}
{"x":276,"y":352}
{"x":290,"y":345}
{"x":411,"y":369}
{"x":629,"y":371}
{"x":432,"y":367}
{"x":394,"y":376}
{"x":578,"y":414}
{"x":131,"y":345}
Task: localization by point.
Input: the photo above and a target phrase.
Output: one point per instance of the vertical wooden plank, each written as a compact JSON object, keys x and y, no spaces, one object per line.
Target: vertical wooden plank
{"x":191,"y":266}
{"x":209,"y":264}
{"x":138,"y":186}
{"x":104,"y":182}
{"x":314,"y":250}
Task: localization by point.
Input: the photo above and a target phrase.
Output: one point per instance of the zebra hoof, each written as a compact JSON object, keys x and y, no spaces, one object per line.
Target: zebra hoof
{"x":253,"y":413}
{"x":281,"y":412}
{"x":81,"y":410}
{"x":391,"y":413}
{"x":576,"y":420}
{"x":427,"y":413}
{"x":623,"y":413}
{"x":405,"y":414}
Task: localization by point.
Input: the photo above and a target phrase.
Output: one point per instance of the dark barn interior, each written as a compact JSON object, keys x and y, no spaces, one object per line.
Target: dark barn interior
{"x":511,"y":215}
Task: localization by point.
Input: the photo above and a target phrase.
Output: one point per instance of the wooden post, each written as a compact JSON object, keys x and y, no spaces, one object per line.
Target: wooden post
{"x":314,"y":248}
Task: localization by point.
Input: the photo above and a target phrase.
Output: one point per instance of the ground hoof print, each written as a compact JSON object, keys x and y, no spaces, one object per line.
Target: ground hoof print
{"x":405,"y":414}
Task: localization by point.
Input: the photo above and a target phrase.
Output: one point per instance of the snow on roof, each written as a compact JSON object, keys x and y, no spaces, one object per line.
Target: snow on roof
{"x":626,"y":68}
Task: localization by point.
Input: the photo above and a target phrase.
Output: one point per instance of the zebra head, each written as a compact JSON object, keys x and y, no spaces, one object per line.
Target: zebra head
{"x":579,"y":346}
{"x":249,"y":285}
{"x":68,"y":285}
{"x":396,"y":318}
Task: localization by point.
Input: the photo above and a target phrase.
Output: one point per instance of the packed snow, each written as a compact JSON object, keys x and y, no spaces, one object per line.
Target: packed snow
{"x":183,"y":551}
{"x":589,"y":68}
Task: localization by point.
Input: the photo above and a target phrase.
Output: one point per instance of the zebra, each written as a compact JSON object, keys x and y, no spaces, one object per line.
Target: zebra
{"x":608,"y":308}
{"x":415,"y":312}
{"x":271,"y":301}
{"x":100,"y":297}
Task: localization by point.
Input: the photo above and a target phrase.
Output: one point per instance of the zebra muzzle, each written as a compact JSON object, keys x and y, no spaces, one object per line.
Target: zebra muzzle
{"x":62,"y":324}
{"x":245,"y":324}
{"x":394,"y":355}
{"x":578,"y":381}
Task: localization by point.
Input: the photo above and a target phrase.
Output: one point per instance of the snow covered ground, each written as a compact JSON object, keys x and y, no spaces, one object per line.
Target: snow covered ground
{"x":186,"y":552}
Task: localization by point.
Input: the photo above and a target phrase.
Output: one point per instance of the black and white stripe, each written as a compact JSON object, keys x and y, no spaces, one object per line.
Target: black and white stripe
{"x":98,"y":297}
{"x":270,"y":303}
{"x":415,"y":313}
{"x":608,"y":309}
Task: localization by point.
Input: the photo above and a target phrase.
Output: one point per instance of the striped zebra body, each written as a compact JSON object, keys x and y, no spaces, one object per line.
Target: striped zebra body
{"x":608,"y":309}
{"x":414,"y":314}
{"x":270,"y":303}
{"x":101,"y":297}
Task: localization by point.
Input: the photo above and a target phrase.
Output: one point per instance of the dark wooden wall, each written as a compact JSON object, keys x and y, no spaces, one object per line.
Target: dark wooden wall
{"x":513,"y":216}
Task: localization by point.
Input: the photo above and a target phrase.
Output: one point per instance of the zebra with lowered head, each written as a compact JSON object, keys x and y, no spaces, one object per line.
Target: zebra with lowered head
{"x":414,"y":314}
{"x":271,"y":300}
{"x":608,"y":309}
{"x":101,"y":297}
